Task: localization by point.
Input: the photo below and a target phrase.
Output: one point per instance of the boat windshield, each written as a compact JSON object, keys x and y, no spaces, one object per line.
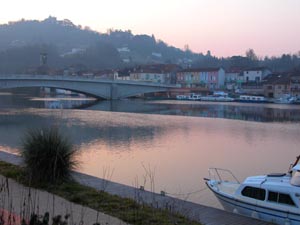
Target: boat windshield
{"x":296,"y":178}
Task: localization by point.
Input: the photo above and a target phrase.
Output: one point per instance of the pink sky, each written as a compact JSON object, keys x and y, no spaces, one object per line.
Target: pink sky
{"x":225,"y":27}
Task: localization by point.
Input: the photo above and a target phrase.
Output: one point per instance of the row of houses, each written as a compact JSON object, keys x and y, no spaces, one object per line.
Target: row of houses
{"x":258,"y":80}
{"x":210,"y":78}
{"x":282,"y":84}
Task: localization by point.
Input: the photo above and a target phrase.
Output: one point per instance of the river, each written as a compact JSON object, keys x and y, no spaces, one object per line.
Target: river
{"x":161,"y":145}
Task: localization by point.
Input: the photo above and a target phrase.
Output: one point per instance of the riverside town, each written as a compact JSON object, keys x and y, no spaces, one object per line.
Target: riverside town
{"x":150,"y":112}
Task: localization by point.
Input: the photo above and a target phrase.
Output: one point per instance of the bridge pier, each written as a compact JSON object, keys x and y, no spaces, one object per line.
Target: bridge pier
{"x":114,"y":92}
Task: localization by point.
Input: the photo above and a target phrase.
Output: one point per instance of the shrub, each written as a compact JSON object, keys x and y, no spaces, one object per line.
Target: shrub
{"x":48,"y":155}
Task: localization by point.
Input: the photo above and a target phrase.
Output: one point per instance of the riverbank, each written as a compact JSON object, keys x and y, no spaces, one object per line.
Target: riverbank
{"x":193,"y":211}
{"x":125,"y":209}
{"x":19,"y":201}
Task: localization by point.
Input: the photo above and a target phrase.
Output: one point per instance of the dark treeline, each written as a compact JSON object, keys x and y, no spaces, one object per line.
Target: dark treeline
{"x":286,"y":62}
{"x":67,"y":45}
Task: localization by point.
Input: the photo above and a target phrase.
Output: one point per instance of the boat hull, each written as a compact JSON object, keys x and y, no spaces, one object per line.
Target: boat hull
{"x":253,"y":101}
{"x":216,"y":99}
{"x":233,"y":205}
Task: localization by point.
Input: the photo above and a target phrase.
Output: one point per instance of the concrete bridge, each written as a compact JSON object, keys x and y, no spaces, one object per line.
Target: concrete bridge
{"x":99,"y":88}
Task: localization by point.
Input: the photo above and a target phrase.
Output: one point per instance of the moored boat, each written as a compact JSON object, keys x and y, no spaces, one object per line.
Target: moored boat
{"x":218,"y":96}
{"x":273,"y":197}
{"x":217,"y":99}
{"x":191,"y":96}
{"x":252,"y":98}
{"x":194,"y":97}
{"x":181,"y":97}
{"x":286,"y":99}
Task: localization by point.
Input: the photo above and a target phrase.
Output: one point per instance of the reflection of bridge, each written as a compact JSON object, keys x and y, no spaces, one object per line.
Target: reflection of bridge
{"x":108,"y":89}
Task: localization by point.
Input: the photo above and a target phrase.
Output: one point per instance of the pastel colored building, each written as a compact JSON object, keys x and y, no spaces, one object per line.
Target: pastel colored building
{"x":157,"y":73}
{"x":233,"y":78}
{"x":255,"y":74}
{"x":212,"y":78}
{"x":148,"y":76}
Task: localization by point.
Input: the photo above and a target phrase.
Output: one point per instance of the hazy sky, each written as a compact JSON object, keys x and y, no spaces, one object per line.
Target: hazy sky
{"x":225,"y":27}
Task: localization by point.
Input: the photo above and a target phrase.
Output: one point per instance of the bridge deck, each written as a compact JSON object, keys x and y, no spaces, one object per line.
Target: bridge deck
{"x":100,"y":88}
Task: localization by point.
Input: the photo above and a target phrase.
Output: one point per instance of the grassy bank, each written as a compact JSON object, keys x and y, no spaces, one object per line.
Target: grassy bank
{"x":123,"y":208}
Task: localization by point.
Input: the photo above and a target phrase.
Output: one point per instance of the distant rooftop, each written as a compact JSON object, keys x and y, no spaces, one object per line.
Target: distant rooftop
{"x":201,"y":69}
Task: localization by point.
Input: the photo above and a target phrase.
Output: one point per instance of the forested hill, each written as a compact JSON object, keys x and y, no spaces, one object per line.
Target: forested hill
{"x":69,"y":45}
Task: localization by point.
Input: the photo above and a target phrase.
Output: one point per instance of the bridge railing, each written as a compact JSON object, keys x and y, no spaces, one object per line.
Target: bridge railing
{"x":83,"y":79}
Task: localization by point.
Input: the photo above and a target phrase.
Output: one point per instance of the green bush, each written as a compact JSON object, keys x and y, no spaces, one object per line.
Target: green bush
{"x":48,"y":155}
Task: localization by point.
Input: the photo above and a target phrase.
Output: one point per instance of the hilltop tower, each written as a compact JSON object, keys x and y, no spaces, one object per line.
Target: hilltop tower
{"x":43,"y":58}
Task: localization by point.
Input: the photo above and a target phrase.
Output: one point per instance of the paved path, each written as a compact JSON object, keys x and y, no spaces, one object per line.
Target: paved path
{"x":18,"y":201}
{"x":204,"y":214}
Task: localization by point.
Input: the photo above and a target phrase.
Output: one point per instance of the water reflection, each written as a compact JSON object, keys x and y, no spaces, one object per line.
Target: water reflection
{"x":32,"y":98}
{"x":179,"y":149}
{"x":237,"y":111}
{"x":14,"y":124}
{"x":36,"y":98}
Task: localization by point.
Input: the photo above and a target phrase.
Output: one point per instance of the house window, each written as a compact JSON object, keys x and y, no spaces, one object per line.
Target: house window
{"x":253,"y":192}
{"x":280,"y":198}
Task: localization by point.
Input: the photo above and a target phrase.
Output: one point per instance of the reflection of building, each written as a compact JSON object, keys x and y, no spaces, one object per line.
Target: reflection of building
{"x":67,"y":103}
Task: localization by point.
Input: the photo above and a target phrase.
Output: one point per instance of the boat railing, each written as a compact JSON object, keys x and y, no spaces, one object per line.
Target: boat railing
{"x":220,"y":174}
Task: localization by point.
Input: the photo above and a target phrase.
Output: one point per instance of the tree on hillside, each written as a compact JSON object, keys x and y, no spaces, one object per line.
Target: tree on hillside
{"x":250,"y":54}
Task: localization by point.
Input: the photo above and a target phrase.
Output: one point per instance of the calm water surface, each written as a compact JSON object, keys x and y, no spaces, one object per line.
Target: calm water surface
{"x":126,"y":140}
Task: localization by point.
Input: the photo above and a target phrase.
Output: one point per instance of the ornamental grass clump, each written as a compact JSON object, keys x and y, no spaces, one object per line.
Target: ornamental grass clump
{"x":49,"y":157}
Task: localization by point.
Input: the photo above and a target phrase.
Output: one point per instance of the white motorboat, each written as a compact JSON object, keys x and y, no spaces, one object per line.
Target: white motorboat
{"x":182,"y":97}
{"x":194,"y":97}
{"x":218,"y":96}
{"x":273,"y":197}
{"x":286,"y":99}
{"x":252,"y":98}
{"x":217,"y":99}
{"x":191,"y":96}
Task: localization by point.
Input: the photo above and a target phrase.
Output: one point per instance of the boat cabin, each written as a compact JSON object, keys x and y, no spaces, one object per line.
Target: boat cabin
{"x":270,"y":190}
{"x":252,"y":98}
{"x":273,"y":197}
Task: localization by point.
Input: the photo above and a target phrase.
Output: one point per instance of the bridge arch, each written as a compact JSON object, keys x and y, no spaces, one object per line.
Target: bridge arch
{"x":99,"y":88}
{"x":54,"y":86}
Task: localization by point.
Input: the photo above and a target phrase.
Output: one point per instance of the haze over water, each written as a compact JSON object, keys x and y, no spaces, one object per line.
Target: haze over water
{"x":176,"y":149}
